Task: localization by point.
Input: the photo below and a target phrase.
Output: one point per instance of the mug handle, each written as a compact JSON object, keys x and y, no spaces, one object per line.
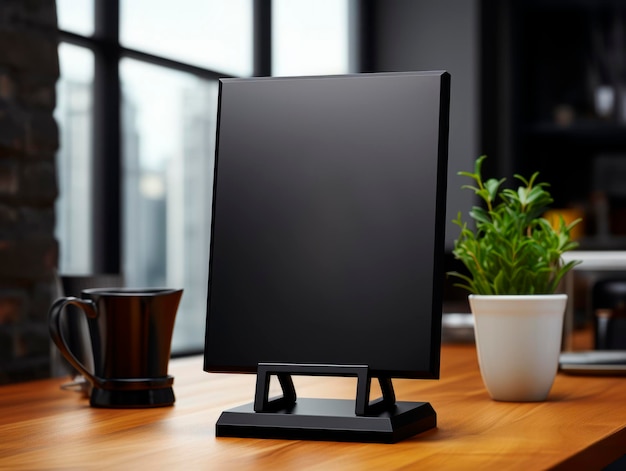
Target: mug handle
{"x":56,"y":332}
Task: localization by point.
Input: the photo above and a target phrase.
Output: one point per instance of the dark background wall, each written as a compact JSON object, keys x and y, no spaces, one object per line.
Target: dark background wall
{"x":28,"y":141}
{"x":438,"y":35}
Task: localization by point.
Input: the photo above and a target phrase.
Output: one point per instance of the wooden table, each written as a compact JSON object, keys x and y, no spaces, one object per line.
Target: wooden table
{"x":581,"y":426}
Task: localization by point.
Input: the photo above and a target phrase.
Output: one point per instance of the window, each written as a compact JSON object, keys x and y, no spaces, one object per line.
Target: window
{"x":76,"y":16}
{"x":74,"y":161}
{"x":135,"y":177}
{"x":167,"y":142}
{"x":215,"y":34}
{"x":302,"y":29}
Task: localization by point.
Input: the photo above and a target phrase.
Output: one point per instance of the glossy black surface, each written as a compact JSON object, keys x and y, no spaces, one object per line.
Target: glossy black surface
{"x":327,"y":236}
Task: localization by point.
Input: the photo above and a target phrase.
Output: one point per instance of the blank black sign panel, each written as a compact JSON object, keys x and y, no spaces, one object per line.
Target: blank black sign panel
{"x":328,"y":223}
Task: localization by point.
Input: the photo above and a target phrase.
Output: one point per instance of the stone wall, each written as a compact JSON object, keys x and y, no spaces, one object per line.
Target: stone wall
{"x":29,"y":69}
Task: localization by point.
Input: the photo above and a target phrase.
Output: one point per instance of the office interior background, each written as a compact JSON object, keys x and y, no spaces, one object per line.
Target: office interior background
{"x":536,"y":85}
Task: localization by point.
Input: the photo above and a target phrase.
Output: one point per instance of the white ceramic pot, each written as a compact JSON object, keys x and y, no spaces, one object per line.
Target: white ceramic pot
{"x":518,"y":339}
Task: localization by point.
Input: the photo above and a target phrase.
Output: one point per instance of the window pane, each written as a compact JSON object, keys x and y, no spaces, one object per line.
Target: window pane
{"x":76,"y":16}
{"x":310,"y":37}
{"x":74,"y":158}
{"x":216,"y":34}
{"x":168,"y":131}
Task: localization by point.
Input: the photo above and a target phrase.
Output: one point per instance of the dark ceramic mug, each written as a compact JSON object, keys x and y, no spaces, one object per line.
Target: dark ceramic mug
{"x":131,"y":336}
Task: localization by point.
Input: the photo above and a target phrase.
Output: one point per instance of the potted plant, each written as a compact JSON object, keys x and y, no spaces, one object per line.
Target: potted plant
{"x":514,"y":264}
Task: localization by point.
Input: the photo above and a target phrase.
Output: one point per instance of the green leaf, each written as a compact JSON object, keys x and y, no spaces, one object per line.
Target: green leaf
{"x":492,"y":186}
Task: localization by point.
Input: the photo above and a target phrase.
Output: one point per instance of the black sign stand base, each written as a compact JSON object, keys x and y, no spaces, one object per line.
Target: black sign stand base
{"x":381,"y":421}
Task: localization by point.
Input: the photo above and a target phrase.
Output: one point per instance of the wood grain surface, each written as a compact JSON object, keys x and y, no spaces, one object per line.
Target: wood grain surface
{"x":582,"y":425}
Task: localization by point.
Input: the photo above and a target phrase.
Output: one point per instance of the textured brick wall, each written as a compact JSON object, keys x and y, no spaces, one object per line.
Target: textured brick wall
{"x":29,"y":69}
